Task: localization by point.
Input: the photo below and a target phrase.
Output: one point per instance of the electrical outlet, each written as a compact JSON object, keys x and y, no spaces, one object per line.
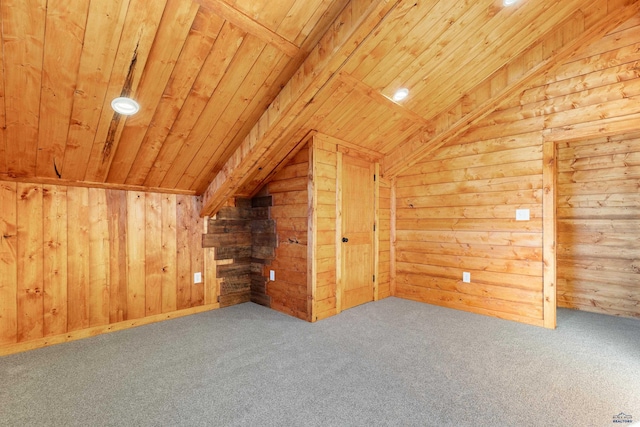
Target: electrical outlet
{"x":466,"y":277}
{"x":272,"y":275}
{"x":522,"y":215}
{"x":197,"y":277}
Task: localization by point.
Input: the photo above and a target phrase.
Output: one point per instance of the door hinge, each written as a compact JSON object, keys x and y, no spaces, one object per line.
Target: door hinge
{"x":374,"y":227}
{"x":218,"y":298}
{"x":374,"y":277}
{"x":374,"y":177}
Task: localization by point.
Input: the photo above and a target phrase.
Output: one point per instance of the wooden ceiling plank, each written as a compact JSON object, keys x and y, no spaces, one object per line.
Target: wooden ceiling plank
{"x":354,"y":25}
{"x":140,"y":29}
{"x":218,"y":144}
{"x":216,"y":158}
{"x":346,"y":115}
{"x":326,"y":104}
{"x":273,"y":13}
{"x":225,"y":95}
{"x":202,"y":36}
{"x":380,"y":99}
{"x":407,"y":67}
{"x":494,"y":45}
{"x":401,"y":35}
{"x":104,"y":27}
{"x":302,"y":12}
{"x":368,"y":124}
{"x":170,"y":39}
{"x":412,"y":151}
{"x":391,"y":139}
{"x":23,"y":40}
{"x":209,"y":77}
{"x":312,"y":32}
{"x":251,"y":26}
{"x":319,"y":23}
{"x":472,"y":72}
{"x":64,"y":36}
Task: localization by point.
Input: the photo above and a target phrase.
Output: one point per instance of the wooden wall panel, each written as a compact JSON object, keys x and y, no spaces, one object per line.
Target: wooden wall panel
{"x":153,"y":254}
{"x":78,"y":261}
{"x":117,"y":215}
{"x":8,"y":263}
{"x":289,"y":194}
{"x":29,"y":254}
{"x":326,"y":168}
{"x":136,"y":288}
{"x":456,"y":209}
{"x":466,"y":222}
{"x":384,"y":239}
{"x":55,"y":259}
{"x":99,"y":256}
{"x":169,"y":278}
{"x":598,"y":226}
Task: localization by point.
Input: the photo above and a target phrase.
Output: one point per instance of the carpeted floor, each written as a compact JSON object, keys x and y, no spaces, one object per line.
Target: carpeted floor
{"x":393,"y":362}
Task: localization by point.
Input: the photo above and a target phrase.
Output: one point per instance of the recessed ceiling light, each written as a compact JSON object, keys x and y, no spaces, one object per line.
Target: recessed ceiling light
{"x":400,"y":94}
{"x":125,"y":106}
{"x":509,"y":2}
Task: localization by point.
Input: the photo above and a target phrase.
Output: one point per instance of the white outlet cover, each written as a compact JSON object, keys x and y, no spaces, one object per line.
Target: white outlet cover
{"x":197,"y":277}
{"x":466,"y":277}
{"x":272,"y":275}
{"x":522,"y":215}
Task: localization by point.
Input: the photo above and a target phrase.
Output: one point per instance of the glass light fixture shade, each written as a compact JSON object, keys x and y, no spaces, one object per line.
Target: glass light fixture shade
{"x":125,"y":106}
{"x":400,"y":94}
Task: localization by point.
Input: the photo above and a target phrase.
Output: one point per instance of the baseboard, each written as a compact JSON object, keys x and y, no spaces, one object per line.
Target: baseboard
{"x":98,"y":330}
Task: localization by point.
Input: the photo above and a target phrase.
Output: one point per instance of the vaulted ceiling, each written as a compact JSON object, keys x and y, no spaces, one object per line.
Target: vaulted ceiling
{"x":228,"y":89}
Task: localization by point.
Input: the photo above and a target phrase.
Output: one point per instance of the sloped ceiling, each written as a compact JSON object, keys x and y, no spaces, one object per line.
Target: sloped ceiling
{"x":229,"y":88}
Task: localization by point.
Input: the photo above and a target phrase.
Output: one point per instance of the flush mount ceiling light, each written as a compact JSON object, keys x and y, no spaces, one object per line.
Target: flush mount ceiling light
{"x":400,"y":94}
{"x":125,"y":106}
{"x":509,"y":2}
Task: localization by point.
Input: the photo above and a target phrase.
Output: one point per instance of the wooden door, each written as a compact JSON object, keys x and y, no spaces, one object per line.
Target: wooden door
{"x":357,"y":232}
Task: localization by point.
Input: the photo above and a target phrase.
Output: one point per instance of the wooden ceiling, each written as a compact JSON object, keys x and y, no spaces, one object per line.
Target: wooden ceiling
{"x":229,"y":88}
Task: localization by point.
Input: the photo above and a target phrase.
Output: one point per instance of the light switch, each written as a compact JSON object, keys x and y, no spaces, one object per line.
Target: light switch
{"x":466,"y":277}
{"x":522,"y":215}
{"x":272,"y":275}
{"x":197,"y":277}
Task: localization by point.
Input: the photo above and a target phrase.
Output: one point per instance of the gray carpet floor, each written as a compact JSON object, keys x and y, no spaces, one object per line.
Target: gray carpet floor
{"x":393,"y":362}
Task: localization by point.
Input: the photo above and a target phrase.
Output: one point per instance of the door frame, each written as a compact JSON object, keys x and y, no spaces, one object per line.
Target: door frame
{"x":549,"y":195}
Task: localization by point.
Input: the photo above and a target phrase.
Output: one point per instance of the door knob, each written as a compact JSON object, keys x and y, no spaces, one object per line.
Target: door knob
{"x":345,"y":240}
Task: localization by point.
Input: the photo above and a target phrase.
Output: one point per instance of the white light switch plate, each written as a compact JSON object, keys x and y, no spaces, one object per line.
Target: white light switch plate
{"x":272,"y":275}
{"x":197,"y":277}
{"x":466,"y":277}
{"x":522,"y":214}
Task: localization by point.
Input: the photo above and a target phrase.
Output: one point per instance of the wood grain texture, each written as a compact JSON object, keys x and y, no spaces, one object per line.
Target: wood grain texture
{"x":55,"y":259}
{"x":289,"y":292}
{"x":8,"y":264}
{"x":597,"y":241}
{"x":71,"y":269}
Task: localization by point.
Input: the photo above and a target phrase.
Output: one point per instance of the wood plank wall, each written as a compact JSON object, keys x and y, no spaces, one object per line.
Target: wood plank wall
{"x":325,"y":159}
{"x":76,"y":261}
{"x":289,"y":192}
{"x":384,"y":239}
{"x":456,"y":210}
{"x":598,"y":215}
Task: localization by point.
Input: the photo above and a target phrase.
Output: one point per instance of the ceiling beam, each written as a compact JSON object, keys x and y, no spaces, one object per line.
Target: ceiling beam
{"x":250,"y":25}
{"x":354,"y":24}
{"x":510,"y":80}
